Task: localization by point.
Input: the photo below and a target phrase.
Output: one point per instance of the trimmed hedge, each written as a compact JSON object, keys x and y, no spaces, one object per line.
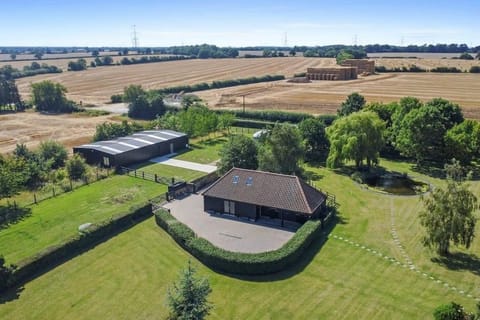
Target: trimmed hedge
{"x":219,"y":84}
{"x":269,"y":115}
{"x":79,"y":243}
{"x":237,"y":262}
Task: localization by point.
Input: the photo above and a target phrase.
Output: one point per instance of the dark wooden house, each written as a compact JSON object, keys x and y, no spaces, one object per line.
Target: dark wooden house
{"x":256,"y":194}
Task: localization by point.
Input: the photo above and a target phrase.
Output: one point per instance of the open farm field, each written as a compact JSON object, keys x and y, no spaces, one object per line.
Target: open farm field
{"x":5,"y":57}
{"x":31,"y":128}
{"x":96,"y":85}
{"x":426,"y":63}
{"x":324,"y":97}
{"x":360,"y":272}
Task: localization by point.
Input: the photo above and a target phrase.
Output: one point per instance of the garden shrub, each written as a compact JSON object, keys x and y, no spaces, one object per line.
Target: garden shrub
{"x":237,"y":262}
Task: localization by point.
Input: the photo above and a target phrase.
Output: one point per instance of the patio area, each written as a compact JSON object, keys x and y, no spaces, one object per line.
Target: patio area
{"x":228,"y":232}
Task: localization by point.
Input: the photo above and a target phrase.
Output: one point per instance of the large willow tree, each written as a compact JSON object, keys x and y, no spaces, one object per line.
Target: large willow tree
{"x":357,"y":137}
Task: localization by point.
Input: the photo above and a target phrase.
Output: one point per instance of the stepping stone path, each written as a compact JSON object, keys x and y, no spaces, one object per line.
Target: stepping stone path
{"x":408,"y":266}
{"x":396,"y":239}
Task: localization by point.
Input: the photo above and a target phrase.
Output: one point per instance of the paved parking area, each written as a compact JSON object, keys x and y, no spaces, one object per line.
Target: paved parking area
{"x":228,"y":233}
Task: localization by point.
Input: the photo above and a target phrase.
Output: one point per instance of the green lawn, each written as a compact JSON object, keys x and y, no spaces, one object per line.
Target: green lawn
{"x":203,"y":151}
{"x":127,"y":277}
{"x":55,"y":219}
{"x":163,"y":170}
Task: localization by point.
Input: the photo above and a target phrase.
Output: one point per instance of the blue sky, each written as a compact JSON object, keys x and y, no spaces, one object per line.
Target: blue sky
{"x":237,"y":23}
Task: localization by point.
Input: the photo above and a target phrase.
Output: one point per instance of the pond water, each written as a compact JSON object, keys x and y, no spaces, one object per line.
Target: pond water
{"x":397,"y":184}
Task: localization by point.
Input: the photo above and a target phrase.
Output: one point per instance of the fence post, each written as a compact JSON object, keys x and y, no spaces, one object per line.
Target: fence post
{"x":35,"y":198}
{"x":143,"y":175}
{"x":53,"y":190}
{"x":15,"y":205}
{"x":97,"y":173}
{"x":135,"y":172}
{"x":156,"y":177}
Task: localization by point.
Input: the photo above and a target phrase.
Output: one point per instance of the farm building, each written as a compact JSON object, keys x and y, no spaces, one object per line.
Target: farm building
{"x":332,"y":73}
{"x":256,"y":194}
{"x":362,"y":65}
{"x":137,"y":147}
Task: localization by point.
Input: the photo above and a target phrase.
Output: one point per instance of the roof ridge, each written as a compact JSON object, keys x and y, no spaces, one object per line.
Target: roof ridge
{"x":304,"y":197}
{"x":305,"y":184}
{"x":266,"y":172}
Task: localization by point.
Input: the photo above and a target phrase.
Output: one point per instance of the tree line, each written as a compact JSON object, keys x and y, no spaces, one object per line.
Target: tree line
{"x":33,"y":69}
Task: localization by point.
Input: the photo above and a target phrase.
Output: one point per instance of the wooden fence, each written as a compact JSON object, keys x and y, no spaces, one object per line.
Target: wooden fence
{"x":147,"y":176}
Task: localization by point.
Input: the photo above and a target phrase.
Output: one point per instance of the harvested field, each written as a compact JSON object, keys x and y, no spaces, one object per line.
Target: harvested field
{"x":31,"y":128}
{"x":422,"y":55}
{"x":96,"y":85}
{"x":321,"y":97}
{"x":427,"y":64}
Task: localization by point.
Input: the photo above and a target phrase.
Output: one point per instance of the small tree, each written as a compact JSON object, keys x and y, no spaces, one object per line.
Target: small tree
{"x":50,"y":96}
{"x":282,"y":151}
{"x":53,"y":152}
{"x":241,"y":152}
{"x":38,"y":55}
{"x":187,"y":298}
{"x":132,"y":92}
{"x":451,"y":311}
{"x":355,"y":102}
{"x":13,"y":56}
{"x":95,"y":53}
{"x":357,"y":137}
{"x":76,"y":167}
{"x":449,"y":213}
{"x":315,"y":137}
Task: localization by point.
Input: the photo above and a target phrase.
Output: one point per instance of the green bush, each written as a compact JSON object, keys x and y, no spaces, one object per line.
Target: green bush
{"x":270,"y":115}
{"x":79,"y":243}
{"x":446,"y":70}
{"x":237,"y":262}
{"x":475,"y":69}
{"x":116,"y":98}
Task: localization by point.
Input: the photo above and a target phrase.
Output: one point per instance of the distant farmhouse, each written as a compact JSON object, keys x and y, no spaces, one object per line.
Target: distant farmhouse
{"x":256,"y":194}
{"x":348,"y":70}
{"x":138,"y":147}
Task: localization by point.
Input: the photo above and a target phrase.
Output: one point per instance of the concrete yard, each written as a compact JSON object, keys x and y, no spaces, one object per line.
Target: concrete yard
{"x":228,"y":233}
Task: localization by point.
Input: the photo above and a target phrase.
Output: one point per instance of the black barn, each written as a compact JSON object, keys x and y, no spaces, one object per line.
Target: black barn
{"x":256,"y":194}
{"x":137,"y":147}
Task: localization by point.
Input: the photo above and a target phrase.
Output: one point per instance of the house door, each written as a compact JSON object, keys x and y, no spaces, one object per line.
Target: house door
{"x":229,"y":207}
{"x":171,"y":148}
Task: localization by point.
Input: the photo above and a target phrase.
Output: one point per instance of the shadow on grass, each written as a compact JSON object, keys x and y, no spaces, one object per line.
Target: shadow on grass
{"x":431,"y":169}
{"x":10,"y":215}
{"x":460,"y":261}
{"x":11,"y":295}
{"x":306,"y":258}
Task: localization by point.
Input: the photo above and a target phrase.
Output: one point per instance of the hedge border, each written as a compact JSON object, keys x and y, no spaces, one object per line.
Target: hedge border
{"x":236,"y":262}
{"x":55,"y":255}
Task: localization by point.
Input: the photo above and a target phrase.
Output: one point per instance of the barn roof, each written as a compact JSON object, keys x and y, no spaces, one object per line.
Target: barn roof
{"x":132,"y":142}
{"x":267,"y":189}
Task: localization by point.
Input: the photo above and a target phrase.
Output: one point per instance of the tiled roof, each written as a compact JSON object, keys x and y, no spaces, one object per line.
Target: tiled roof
{"x":267,"y":189}
{"x":134,"y":141}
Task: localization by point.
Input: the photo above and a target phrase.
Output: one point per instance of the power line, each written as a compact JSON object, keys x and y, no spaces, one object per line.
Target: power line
{"x":134,"y":37}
